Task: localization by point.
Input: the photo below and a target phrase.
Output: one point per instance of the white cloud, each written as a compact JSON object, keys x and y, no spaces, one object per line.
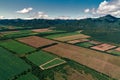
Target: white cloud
{"x":2,"y":17}
{"x":63,"y":17}
{"x":82,"y":17}
{"x":87,"y":10}
{"x":39,"y":15}
{"x":107,"y":7}
{"x":25,"y":10}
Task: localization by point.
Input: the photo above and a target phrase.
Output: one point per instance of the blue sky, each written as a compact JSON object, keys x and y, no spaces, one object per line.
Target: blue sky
{"x":48,"y":8}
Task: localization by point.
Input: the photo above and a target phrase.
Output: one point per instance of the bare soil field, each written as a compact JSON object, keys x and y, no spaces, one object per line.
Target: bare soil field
{"x":36,"y":41}
{"x":101,"y":62}
{"x":42,"y":30}
{"x":73,"y":37}
{"x":103,"y":47}
{"x":118,"y":49}
{"x":77,"y":41}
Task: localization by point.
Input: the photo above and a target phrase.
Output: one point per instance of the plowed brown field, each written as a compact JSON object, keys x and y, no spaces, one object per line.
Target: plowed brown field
{"x":103,"y":47}
{"x":77,"y":41}
{"x":101,"y":62}
{"x":35,"y":41}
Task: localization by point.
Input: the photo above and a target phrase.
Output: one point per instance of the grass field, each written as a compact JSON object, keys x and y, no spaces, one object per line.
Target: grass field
{"x":85,"y":44}
{"x":16,"y":47}
{"x":72,"y":37}
{"x":43,"y":59}
{"x":28,"y":76}
{"x":10,"y":65}
{"x":101,"y":62}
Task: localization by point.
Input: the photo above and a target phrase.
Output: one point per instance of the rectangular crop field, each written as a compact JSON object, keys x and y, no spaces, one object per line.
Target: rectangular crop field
{"x":18,"y":34}
{"x":16,"y":47}
{"x":28,"y":76}
{"x":77,"y":41}
{"x":10,"y":65}
{"x":73,"y":37}
{"x":61,"y":35}
{"x":44,"y":60}
{"x":101,"y":62}
{"x":41,"y":30}
{"x":95,"y":42}
{"x":85,"y":44}
{"x":103,"y":47}
{"x":36,"y":41}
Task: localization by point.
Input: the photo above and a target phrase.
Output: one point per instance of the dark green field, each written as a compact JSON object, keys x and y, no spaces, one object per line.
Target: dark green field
{"x":104,"y":36}
{"x":28,"y":76}
{"x":84,"y":44}
{"x":16,"y":47}
{"x":40,"y":59}
{"x":10,"y":65}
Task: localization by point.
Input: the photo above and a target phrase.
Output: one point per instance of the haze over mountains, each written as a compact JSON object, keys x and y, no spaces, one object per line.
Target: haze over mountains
{"x":107,"y":21}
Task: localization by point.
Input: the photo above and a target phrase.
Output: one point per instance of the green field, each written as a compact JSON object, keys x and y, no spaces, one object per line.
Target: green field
{"x":40,"y":58}
{"x":28,"y":76}
{"x":114,"y":52}
{"x":85,"y":44}
{"x":16,"y":47}
{"x":61,"y":35}
{"x":10,"y":65}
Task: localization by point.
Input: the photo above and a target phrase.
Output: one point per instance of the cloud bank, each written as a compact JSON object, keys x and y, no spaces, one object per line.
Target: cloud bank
{"x":25,"y":10}
{"x":39,"y":15}
{"x":106,"y":7}
{"x":2,"y":17}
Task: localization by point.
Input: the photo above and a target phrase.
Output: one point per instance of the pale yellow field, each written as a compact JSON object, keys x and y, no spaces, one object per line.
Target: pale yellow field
{"x":73,"y":37}
{"x":42,"y":30}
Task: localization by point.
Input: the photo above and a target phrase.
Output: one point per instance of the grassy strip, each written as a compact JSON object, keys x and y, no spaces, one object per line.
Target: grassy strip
{"x":84,"y":44}
{"x":113,"y":52}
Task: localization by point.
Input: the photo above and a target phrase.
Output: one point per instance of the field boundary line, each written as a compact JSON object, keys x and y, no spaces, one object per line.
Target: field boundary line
{"x":41,"y":66}
{"x":55,"y":65}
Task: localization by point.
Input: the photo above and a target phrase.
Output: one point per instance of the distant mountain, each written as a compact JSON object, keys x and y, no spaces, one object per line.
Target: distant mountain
{"x":105,"y":22}
{"x":109,"y":18}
